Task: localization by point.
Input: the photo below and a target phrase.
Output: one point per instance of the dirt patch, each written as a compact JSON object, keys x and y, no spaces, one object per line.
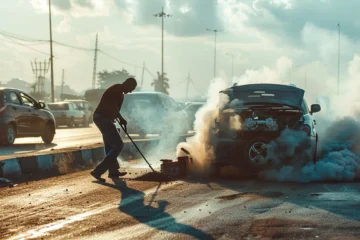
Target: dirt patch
{"x":251,"y":195}
{"x":154,"y":177}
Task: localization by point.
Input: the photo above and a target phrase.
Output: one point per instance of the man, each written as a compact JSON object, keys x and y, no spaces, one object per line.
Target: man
{"x":105,"y":114}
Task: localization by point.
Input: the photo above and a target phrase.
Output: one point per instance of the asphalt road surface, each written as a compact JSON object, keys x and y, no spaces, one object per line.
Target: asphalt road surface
{"x":74,"y":207}
{"x":64,"y":138}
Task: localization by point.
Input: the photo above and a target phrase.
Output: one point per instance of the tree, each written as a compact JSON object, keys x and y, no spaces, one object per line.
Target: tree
{"x":106,"y":79}
{"x":161,"y":84}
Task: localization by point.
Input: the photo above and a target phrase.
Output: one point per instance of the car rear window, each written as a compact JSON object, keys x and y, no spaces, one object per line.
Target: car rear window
{"x":141,"y":101}
{"x":60,"y":107}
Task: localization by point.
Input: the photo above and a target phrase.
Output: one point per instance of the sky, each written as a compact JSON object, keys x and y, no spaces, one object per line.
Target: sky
{"x":292,"y":41}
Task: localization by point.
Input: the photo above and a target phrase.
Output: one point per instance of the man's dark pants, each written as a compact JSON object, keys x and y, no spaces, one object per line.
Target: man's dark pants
{"x":113,"y":145}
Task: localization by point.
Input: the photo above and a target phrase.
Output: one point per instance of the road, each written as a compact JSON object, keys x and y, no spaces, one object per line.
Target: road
{"x":64,"y":138}
{"x":74,"y":207}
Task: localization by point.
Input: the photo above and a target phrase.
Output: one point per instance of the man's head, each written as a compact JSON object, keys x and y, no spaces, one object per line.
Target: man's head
{"x":129,"y":85}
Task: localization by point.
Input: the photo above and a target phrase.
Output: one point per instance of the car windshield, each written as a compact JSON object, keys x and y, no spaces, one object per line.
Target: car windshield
{"x":140,"y":101}
{"x":58,"y":107}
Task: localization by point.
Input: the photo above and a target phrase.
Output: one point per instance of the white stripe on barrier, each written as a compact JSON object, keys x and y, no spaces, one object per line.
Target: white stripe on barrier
{"x":45,"y":162}
{"x":11,"y":168}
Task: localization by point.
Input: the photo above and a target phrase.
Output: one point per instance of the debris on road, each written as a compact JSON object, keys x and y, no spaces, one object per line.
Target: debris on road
{"x":154,"y":177}
{"x":6,"y":183}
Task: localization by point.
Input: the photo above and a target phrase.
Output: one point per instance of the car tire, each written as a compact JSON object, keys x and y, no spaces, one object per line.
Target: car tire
{"x":86,"y":122}
{"x":71,"y":124}
{"x":49,"y":133}
{"x":253,"y":150}
{"x":10,"y":137}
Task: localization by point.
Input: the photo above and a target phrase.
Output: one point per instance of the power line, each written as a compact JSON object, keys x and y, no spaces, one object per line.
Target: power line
{"x":119,"y":59}
{"x":22,"y":38}
{"x":70,"y":46}
{"x":24,"y":45}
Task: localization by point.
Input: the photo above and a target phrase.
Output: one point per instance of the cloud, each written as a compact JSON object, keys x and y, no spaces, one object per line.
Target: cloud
{"x":188,"y":18}
{"x":64,"y":26}
{"x":75,"y":8}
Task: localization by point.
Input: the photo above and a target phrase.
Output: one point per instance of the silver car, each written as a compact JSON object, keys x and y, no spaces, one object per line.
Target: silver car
{"x":67,"y":114}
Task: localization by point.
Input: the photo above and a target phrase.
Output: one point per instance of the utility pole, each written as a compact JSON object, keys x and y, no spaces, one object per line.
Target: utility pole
{"x":95,"y":61}
{"x":162,"y":14}
{"x":215,"y":34}
{"x":62,"y":83}
{"x":338,"y":80}
{"x":51,"y":57}
{"x":187,"y":86}
{"x":39,"y":69}
{"x":142,"y":76}
{"x":232,"y":63}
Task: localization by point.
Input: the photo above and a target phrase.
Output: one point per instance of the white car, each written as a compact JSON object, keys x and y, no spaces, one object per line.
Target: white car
{"x":153,"y":113}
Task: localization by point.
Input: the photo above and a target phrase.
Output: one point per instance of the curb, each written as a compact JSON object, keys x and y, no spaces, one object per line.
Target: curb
{"x":48,"y":165}
{"x":61,"y":162}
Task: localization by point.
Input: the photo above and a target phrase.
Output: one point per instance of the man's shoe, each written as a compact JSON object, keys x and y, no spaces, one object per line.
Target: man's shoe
{"x":97,"y":176}
{"x":117,"y":174}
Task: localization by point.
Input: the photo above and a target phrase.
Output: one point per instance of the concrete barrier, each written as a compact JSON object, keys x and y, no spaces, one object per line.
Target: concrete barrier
{"x":74,"y":160}
{"x":10,"y":169}
{"x":62,"y":162}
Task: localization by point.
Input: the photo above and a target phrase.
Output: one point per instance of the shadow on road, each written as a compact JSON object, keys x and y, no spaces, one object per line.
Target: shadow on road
{"x":133,"y":204}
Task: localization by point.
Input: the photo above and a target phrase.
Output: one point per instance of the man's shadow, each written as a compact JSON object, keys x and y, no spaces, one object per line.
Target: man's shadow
{"x":133,"y":204}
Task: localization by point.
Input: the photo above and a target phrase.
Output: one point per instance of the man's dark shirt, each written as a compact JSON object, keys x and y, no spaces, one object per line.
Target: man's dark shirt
{"x":111,"y":101}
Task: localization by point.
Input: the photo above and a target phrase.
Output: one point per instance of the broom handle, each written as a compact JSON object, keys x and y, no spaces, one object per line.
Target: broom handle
{"x":135,"y":145}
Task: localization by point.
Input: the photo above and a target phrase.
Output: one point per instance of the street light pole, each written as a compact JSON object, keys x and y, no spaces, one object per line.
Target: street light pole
{"x":215,"y":34}
{"x":162,"y":14}
{"x":338,"y":80}
{"x":232,"y":63}
{"x":51,"y":57}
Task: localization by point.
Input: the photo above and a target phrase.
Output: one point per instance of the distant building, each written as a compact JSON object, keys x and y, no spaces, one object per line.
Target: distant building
{"x":17,"y":83}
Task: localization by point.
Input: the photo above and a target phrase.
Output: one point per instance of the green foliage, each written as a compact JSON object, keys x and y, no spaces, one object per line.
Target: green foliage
{"x":161,"y":84}
{"x":106,"y":79}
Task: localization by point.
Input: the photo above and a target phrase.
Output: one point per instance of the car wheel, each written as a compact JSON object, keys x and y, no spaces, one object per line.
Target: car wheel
{"x":86,"y":122}
{"x":10,"y":135}
{"x":71,"y":124}
{"x":255,"y":153}
{"x":315,"y":152}
{"x":49,"y":133}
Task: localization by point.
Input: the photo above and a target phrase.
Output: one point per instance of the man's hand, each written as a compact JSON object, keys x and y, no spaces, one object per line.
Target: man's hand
{"x":123,"y":123}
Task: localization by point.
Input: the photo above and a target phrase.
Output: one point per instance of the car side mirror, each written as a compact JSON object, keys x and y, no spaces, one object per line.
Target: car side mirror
{"x":41,"y":105}
{"x":315,"y":108}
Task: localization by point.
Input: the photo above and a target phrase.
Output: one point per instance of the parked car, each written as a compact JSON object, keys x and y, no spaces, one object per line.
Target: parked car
{"x":23,"y":116}
{"x":67,"y":114}
{"x":153,"y":113}
{"x":264,"y":111}
{"x":191,"y":110}
{"x":86,"y":107}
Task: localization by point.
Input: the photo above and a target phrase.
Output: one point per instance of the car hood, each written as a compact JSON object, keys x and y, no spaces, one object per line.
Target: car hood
{"x":259,"y":94}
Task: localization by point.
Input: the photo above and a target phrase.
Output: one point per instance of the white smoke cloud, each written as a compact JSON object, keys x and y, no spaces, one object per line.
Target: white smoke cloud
{"x":339,"y":146}
{"x":339,"y":158}
{"x":205,"y":117}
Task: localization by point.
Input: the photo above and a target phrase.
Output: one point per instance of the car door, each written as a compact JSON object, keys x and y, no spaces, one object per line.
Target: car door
{"x":17,"y":111}
{"x":36,"y":122}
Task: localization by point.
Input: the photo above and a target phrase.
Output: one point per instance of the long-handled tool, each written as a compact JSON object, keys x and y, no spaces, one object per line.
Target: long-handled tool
{"x":136,"y":146}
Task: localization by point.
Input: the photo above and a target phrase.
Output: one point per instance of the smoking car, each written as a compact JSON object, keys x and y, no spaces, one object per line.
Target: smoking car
{"x":254,"y":115}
